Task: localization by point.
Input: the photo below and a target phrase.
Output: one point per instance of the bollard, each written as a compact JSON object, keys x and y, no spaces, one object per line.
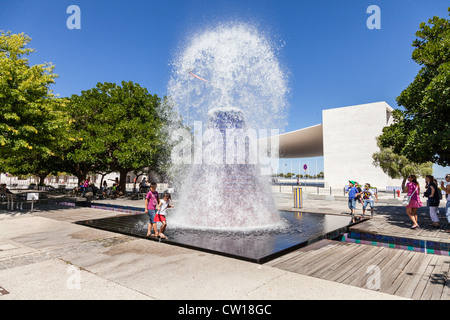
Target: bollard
{"x":298,"y":197}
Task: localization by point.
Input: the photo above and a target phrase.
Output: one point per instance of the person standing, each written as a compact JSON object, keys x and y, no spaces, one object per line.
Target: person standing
{"x":151,"y":202}
{"x":446,"y":187}
{"x":352,"y":195}
{"x":143,"y":185}
{"x":367,"y":196}
{"x":86,"y":185}
{"x":161,"y":214}
{"x":433,"y":199}
{"x":104,"y":188}
{"x":412,"y":189}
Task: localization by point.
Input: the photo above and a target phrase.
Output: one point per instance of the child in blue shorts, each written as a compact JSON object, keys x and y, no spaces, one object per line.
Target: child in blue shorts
{"x":367,"y":195}
{"x":352,"y":194}
{"x":151,"y":202}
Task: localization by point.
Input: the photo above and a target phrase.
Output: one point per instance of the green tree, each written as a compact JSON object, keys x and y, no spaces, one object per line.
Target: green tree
{"x":116,"y":128}
{"x":398,"y":166}
{"x":421,"y":131}
{"x":30,"y":117}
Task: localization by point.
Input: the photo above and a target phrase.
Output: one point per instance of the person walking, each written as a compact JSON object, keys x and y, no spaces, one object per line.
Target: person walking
{"x":368,"y":195}
{"x":359,"y":194}
{"x":432,"y":193}
{"x":161,"y":214}
{"x":151,"y":201}
{"x":352,"y":196}
{"x":412,"y":189}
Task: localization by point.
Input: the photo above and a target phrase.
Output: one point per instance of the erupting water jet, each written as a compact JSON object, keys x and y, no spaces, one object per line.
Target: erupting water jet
{"x":235,"y":81}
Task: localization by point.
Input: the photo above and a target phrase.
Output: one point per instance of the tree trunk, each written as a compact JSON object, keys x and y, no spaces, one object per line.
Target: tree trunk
{"x":81,"y":178}
{"x":101,"y":181}
{"x":135,"y":181}
{"x":42,"y":177}
{"x":403,"y":184}
{"x":123,"y":180}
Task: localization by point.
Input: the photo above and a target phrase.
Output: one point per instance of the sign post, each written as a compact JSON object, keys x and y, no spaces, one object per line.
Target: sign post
{"x":32,"y":196}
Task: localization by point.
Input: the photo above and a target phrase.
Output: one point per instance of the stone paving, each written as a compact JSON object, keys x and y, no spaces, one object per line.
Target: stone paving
{"x":44,"y":255}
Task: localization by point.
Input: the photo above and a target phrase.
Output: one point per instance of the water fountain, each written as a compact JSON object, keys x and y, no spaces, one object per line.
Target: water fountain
{"x":227,"y":191}
{"x":229,"y":79}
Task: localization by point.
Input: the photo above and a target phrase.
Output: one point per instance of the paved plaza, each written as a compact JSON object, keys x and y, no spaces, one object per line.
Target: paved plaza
{"x":44,"y":255}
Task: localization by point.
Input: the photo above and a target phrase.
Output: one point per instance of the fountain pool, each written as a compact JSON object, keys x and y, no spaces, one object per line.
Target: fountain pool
{"x":258,"y":246}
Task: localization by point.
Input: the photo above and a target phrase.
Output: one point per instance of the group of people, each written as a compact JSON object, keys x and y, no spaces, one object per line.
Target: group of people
{"x":87,"y":186}
{"x":156,"y":209}
{"x":365,"y":196}
{"x":433,"y":194}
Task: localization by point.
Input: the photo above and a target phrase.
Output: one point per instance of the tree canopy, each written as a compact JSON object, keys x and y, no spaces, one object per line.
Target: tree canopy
{"x":421,"y":131}
{"x":115,"y":128}
{"x":398,"y":166}
{"x":30,"y":116}
{"x":109,"y":128}
{"x":27,"y":105}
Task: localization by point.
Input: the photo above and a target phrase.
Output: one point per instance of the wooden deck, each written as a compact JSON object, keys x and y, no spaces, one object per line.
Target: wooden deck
{"x":403,"y":273}
{"x":400,"y":227}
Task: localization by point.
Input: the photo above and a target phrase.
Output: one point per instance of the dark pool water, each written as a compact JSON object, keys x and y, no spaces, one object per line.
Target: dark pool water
{"x":259,"y":246}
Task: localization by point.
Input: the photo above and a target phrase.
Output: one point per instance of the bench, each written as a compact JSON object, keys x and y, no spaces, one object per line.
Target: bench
{"x":20,"y":199}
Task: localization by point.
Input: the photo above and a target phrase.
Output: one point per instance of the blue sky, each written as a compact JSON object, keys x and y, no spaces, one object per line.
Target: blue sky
{"x":332,"y":58}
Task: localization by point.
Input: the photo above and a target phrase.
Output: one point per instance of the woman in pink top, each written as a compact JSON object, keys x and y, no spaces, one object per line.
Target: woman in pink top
{"x":412,"y":189}
{"x":86,"y":185}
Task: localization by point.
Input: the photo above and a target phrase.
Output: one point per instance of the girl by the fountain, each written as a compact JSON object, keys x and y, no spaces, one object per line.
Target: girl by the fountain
{"x":161,"y":214}
{"x":151,"y":202}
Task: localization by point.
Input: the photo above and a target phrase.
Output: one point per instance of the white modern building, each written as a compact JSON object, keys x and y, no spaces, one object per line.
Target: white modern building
{"x":347,"y":140}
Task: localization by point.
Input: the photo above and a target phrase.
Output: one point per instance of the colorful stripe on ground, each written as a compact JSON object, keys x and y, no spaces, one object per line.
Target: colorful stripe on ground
{"x":430,"y":247}
{"x":110,"y":207}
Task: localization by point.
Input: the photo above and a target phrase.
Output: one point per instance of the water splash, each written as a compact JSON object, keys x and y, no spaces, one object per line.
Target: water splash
{"x":239,"y":85}
{"x":242,"y":71}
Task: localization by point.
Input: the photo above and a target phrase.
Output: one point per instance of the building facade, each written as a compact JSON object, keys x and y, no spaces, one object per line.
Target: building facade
{"x":346,"y":139}
{"x":349,"y":141}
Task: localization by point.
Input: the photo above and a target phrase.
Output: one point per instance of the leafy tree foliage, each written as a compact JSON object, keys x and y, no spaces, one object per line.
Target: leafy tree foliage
{"x":109,"y":128}
{"x":421,"y":131}
{"x":398,"y":166}
{"x":115,"y":128}
{"x":30,"y":117}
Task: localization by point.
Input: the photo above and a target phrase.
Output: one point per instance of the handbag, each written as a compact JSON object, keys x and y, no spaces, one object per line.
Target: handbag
{"x":407,"y":199}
